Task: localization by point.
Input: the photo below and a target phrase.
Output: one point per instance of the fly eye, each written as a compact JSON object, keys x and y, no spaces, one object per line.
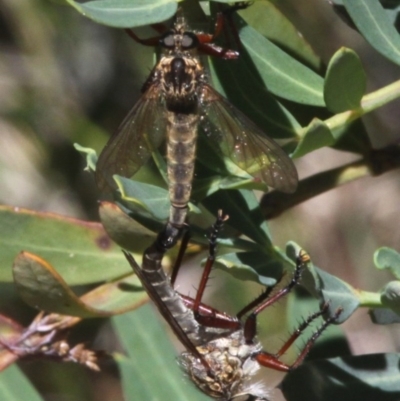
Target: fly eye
{"x":189,"y":40}
{"x":168,"y":40}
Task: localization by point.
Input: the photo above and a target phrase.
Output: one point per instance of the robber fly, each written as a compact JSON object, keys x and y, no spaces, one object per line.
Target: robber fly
{"x":222,"y":351}
{"x":177,"y":100}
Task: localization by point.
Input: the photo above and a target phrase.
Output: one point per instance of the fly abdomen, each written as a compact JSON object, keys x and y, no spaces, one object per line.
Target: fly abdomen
{"x":181,"y":152}
{"x":160,"y":282}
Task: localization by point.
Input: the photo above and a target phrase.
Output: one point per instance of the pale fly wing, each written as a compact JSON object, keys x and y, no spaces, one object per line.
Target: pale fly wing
{"x":141,"y":132}
{"x":241,"y":141}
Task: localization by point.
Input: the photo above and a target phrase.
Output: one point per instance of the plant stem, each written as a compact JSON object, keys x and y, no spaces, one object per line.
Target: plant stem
{"x":376,"y":163}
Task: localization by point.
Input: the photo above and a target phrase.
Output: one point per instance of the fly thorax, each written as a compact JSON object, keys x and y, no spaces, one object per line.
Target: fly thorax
{"x":231,"y":366}
{"x":179,"y":84}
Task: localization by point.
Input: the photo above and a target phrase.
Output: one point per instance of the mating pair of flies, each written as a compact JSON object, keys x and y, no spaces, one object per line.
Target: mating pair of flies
{"x":222,"y":352}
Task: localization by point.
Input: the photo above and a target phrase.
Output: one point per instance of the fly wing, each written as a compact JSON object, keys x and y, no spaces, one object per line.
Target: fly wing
{"x":141,"y":132}
{"x":245,"y":144}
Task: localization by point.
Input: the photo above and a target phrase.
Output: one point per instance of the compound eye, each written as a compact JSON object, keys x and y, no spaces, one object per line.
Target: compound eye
{"x":168,"y":40}
{"x":189,"y":40}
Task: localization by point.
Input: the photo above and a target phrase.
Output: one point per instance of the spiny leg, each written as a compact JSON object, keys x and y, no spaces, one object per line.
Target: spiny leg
{"x":272,"y":361}
{"x":210,"y":260}
{"x":297,"y":333}
{"x":264,"y":300}
{"x":204,"y":314}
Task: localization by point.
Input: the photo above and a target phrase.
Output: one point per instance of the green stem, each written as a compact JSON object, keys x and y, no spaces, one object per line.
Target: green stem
{"x":370,"y":299}
{"x":369,"y":102}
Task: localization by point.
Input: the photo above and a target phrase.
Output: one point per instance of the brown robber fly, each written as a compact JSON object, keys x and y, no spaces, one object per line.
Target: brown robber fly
{"x":178,"y":102}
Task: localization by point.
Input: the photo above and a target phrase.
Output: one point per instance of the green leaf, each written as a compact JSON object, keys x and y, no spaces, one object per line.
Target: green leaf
{"x":14,"y":386}
{"x":329,"y":289}
{"x":90,"y":154}
{"x":315,"y":136}
{"x":387,"y":258}
{"x":150,"y":371}
{"x":390,"y":296}
{"x":246,"y":216}
{"x":345,"y":81}
{"x":375,"y":25}
{"x":384,"y":316}
{"x":151,"y":198}
{"x":356,"y":378}
{"x":340,"y":123}
{"x":126,"y":13}
{"x":269,"y":21}
{"x":283,"y":75}
{"x":81,"y":250}
{"x":252,"y":266}
{"x":125,"y":231}
{"x":41,"y":287}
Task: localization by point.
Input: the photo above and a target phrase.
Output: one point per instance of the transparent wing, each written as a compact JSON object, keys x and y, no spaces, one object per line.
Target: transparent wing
{"x":245,"y":144}
{"x":141,"y":132}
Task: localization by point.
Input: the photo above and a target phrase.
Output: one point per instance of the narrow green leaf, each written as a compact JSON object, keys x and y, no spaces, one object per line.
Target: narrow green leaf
{"x":14,"y":386}
{"x":126,"y":13}
{"x":356,"y":378}
{"x":375,"y":25}
{"x":387,"y":258}
{"x":41,"y":287}
{"x":283,"y":75}
{"x":345,"y":81}
{"x":269,"y":21}
{"x":315,"y":136}
{"x":124,"y":230}
{"x":150,"y":371}
{"x":81,"y":250}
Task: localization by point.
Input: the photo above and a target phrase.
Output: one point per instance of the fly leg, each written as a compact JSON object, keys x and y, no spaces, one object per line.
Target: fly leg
{"x":273,"y":360}
{"x":181,"y":254}
{"x":204,"y":314}
{"x":264,"y":300}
